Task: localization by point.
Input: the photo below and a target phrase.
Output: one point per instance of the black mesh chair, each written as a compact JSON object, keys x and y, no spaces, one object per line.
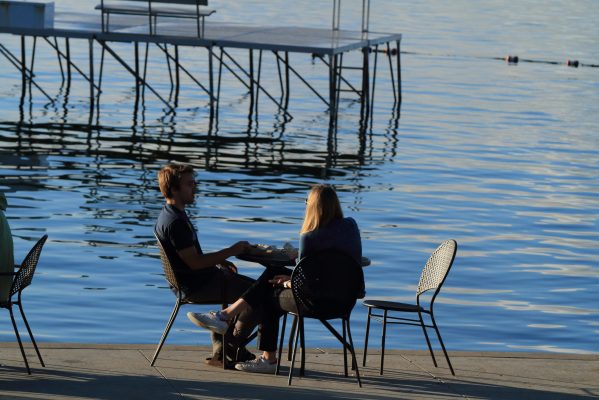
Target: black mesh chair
{"x":169,"y":275}
{"x":433,"y":275}
{"x":325,"y":286}
{"x":22,"y":278}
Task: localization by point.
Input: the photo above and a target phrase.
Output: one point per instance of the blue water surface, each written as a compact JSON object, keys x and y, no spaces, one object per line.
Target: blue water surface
{"x":502,"y":158}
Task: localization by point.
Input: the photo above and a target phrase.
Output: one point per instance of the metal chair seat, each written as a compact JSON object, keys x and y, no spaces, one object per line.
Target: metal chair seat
{"x":393,"y":306}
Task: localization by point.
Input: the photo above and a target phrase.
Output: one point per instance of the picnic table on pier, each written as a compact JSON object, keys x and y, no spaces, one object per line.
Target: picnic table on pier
{"x":272,"y":257}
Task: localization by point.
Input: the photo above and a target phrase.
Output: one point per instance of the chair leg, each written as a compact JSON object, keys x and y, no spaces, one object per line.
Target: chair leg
{"x":442,"y":345}
{"x":223,"y":338}
{"x":344,"y":343}
{"x":294,"y":352}
{"x":166,"y":331}
{"x":354,"y":364}
{"x":344,"y":348}
{"x":428,"y":342}
{"x":291,"y":336}
{"x":353,"y":353}
{"x":303,"y":346}
{"x":383,"y":342}
{"x":280,"y":351}
{"x":31,"y":335}
{"x":366,"y":336}
{"x":14,"y":325}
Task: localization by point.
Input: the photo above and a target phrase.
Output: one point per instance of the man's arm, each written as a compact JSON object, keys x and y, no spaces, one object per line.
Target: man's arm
{"x":195,"y":261}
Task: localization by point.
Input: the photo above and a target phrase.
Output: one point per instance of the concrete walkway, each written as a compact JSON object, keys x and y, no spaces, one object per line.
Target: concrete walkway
{"x":83,"y":371}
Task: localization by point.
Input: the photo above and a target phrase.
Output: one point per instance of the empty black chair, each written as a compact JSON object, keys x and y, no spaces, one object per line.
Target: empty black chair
{"x":433,"y":275}
{"x":325,"y":286}
{"x":22,"y":278}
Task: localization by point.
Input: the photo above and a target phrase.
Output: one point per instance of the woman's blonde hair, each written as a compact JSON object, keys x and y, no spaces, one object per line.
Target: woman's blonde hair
{"x":322,"y":206}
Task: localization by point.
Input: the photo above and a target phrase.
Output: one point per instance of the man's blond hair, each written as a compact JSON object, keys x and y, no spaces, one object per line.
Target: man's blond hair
{"x":169,"y":177}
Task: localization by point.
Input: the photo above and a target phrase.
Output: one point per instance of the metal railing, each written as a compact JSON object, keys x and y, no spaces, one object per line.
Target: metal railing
{"x":365,"y":15}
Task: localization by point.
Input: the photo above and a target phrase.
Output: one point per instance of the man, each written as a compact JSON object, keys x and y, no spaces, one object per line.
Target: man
{"x":201,"y":275}
{"x":7,"y":263}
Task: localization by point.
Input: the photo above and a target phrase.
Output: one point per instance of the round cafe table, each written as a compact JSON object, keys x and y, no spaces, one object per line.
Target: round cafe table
{"x":269,"y":260}
{"x":278,"y":258}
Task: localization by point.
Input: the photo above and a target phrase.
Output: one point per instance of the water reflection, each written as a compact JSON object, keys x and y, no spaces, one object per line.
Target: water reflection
{"x":503,"y":159}
{"x":267,"y":154}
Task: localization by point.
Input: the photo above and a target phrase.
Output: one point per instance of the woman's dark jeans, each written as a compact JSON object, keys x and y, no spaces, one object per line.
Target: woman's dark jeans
{"x":270,"y":303}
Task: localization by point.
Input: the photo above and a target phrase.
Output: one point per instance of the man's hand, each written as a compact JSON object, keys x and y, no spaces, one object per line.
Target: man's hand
{"x":228,"y":265}
{"x":239,"y":248}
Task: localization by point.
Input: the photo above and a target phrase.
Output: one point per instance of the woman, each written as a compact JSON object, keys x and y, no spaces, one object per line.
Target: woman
{"x":324,"y":227}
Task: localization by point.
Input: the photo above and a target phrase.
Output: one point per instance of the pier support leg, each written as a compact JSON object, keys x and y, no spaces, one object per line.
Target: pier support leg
{"x":23,"y":63}
{"x":168,"y":63}
{"x":177,"y":75}
{"x":374,"y":72}
{"x":333,"y":90}
{"x":220,"y":76}
{"x":145,"y":74}
{"x":283,"y":81}
{"x":398,"y":76}
{"x":339,"y":71}
{"x":59,"y":59}
{"x":137,"y":80}
{"x":211,"y":82}
{"x":68,"y":49}
{"x":258,"y":82}
{"x":365,"y":98}
{"x":92,"y":95}
{"x":33,"y":47}
{"x":99,"y":87}
{"x":251,"y":76}
{"x":287,"y":84}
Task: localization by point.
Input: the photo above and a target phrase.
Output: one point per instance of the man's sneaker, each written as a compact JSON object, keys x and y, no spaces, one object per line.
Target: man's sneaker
{"x":214,"y":362}
{"x":260,"y":365}
{"x":210,"y":320}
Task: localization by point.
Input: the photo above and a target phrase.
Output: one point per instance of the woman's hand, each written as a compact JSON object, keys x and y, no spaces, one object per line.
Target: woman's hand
{"x":292,"y":253}
{"x":281,"y":280}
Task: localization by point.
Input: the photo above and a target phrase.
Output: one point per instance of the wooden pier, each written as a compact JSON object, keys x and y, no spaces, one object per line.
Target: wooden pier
{"x":328,"y":46}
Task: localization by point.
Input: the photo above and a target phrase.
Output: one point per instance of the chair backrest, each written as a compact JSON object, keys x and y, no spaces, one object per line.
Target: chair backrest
{"x":24,"y":276}
{"x":169,"y":273}
{"x":437,"y":267}
{"x":327,"y":284}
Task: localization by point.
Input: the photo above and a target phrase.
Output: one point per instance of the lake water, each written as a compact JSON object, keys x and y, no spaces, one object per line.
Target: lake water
{"x":502,"y":158}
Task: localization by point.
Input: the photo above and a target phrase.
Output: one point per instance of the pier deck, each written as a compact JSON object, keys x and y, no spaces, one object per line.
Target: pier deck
{"x":219,"y":34}
{"x":89,"y":371}
{"x":327,"y":45}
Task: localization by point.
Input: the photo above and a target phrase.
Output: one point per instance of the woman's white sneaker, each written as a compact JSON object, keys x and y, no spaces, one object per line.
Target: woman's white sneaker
{"x":260,"y":365}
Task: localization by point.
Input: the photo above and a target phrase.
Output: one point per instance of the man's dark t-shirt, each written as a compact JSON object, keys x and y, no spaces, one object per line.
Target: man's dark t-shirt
{"x":175,"y":231}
